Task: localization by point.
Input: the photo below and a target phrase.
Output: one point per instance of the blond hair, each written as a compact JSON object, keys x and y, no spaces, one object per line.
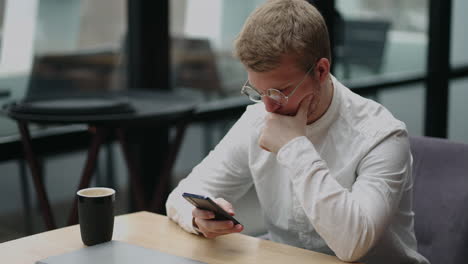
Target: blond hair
{"x":283,"y":27}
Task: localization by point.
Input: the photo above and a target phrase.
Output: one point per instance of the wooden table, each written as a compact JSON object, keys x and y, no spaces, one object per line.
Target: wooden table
{"x":158,"y":232}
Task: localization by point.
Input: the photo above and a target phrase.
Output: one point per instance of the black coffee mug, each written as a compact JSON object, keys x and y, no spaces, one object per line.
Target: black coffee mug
{"x":96,"y":214}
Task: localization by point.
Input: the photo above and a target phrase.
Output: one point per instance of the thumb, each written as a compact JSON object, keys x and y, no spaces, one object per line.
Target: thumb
{"x":227,"y":206}
{"x":304,"y":107}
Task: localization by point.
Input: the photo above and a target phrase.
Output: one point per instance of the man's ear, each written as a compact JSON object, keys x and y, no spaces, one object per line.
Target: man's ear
{"x":322,"y":69}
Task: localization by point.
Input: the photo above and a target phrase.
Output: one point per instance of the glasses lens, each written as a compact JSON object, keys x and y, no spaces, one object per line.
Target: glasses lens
{"x":252,"y":94}
{"x":278,"y":96}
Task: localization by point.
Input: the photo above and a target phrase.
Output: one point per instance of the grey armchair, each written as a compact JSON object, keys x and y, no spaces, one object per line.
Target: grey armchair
{"x":440,"y":172}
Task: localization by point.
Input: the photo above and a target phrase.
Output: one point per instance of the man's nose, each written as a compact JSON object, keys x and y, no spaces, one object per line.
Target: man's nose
{"x":270,"y":104}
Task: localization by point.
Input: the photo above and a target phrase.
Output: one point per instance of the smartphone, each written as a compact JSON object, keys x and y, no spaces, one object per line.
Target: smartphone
{"x":205,"y":203}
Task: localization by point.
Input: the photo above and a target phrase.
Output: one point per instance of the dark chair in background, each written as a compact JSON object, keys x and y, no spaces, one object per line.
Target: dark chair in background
{"x":363,"y":44}
{"x":194,"y":66}
{"x":440,"y":172}
{"x":70,"y":74}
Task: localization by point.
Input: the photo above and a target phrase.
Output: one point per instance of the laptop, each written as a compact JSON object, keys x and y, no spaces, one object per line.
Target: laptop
{"x":116,"y":252}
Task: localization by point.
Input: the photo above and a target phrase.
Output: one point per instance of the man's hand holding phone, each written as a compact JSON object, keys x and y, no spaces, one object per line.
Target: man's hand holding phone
{"x":210,"y":228}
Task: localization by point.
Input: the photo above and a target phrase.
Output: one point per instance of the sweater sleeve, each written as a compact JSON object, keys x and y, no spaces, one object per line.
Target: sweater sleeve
{"x":352,"y":220}
{"x":223,"y":173}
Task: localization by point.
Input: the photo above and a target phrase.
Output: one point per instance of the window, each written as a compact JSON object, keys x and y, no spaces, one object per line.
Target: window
{"x":202,"y":36}
{"x":380,"y":37}
{"x":64,"y":45}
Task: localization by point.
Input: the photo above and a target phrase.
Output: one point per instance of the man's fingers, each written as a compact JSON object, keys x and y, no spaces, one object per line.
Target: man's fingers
{"x":202,"y":214}
{"x":264,"y":148}
{"x":215,"y":234}
{"x":227,"y":206}
{"x":261,"y":141}
{"x":216,"y":225}
{"x":219,"y":227}
{"x":235,"y":229}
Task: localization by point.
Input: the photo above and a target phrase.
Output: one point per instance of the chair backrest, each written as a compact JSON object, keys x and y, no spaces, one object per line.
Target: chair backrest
{"x":440,"y":172}
{"x":71,"y":74}
{"x":194,"y":65}
{"x":364,"y":42}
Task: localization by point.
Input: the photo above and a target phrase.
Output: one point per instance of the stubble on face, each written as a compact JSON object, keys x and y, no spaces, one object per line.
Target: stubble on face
{"x":314,"y":104}
{"x":324,"y":94}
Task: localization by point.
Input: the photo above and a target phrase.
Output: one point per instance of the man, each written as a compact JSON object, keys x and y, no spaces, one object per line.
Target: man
{"x":332,"y":170}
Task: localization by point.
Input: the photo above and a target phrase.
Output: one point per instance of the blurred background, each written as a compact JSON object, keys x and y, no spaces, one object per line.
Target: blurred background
{"x":397,"y":52}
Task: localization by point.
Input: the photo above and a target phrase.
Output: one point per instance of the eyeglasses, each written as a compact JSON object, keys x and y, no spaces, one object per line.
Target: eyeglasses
{"x":276,"y":95}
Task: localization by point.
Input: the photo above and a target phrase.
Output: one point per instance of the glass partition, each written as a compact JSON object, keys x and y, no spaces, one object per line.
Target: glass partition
{"x":459,"y":56}
{"x":202,"y":36}
{"x":407,"y":103}
{"x":379,"y":37}
{"x":60,"y":46}
{"x":458,"y":109}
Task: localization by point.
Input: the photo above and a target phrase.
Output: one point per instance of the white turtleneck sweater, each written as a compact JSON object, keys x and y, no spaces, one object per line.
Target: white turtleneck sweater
{"x":344,"y":189}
